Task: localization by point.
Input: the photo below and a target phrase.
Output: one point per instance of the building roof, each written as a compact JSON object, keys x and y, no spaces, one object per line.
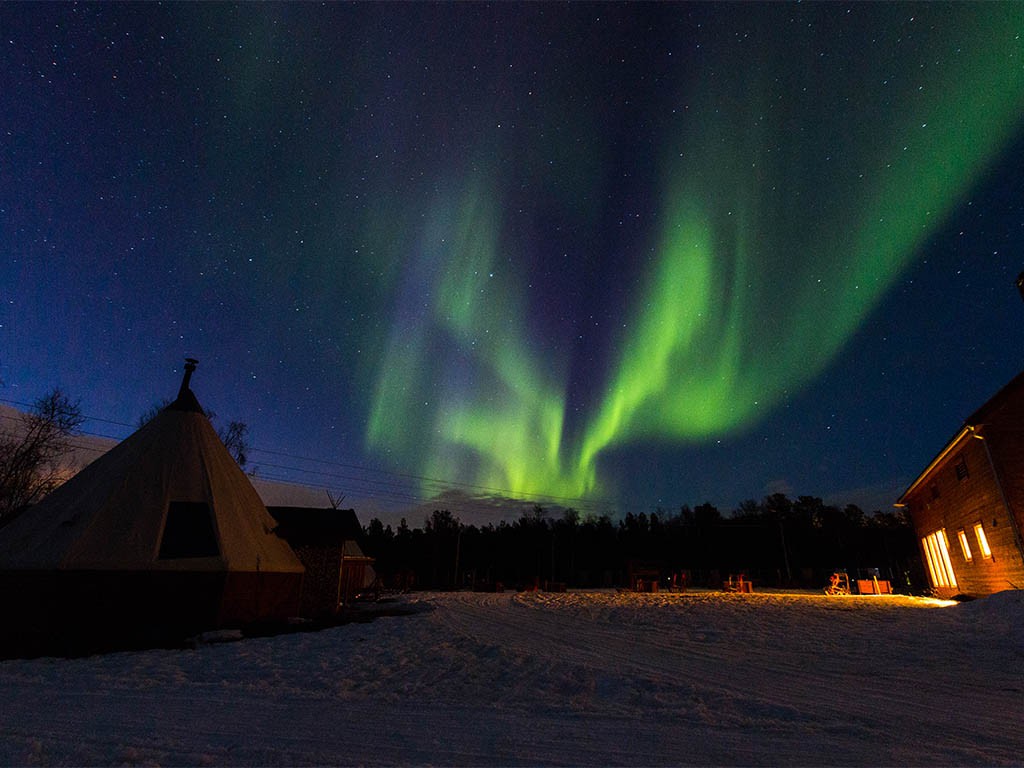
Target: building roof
{"x":1012,"y":390}
{"x":306,"y":525}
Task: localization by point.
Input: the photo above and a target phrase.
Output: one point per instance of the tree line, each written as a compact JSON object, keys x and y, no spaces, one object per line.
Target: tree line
{"x":776,"y":541}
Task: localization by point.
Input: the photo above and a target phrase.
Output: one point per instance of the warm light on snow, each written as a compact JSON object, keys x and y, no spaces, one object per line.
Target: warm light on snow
{"x":541,"y":679}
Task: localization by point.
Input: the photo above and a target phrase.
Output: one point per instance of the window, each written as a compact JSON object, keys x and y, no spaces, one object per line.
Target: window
{"x":188,"y":531}
{"x":961,"y":468}
{"x":936,"y":550}
{"x":964,"y":545}
{"x":979,"y":531}
{"x":934,"y":488}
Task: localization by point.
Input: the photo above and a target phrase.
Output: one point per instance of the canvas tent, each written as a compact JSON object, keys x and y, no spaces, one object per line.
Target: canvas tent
{"x":164,"y":530}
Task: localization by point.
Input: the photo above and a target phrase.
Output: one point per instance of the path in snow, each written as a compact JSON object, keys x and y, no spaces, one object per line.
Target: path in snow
{"x":577,"y":678}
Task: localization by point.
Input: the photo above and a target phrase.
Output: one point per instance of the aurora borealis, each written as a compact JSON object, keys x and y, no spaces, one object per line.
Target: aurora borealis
{"x":597,"y":255}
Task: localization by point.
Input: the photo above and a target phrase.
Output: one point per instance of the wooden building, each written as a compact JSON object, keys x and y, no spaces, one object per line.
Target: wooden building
{"x":327,"y":543}
{"x":967,"y":507}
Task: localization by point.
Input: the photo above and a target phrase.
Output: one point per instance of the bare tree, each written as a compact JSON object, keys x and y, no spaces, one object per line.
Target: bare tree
{"x":235,"y":437}
{"x":30,"y":454}
{"x":152,"y":412}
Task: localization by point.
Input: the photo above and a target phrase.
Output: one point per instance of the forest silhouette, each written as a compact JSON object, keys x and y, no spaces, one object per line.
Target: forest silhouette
{"x":775,"y":542}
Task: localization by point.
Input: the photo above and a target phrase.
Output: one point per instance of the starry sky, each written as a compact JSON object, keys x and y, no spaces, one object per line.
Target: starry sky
{"x":608,"y":256}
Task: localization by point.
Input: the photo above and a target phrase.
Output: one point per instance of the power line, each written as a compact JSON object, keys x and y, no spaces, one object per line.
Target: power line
{"x":85,"y":416}
{"x":394,"y":485}
{"x":425,"y":478}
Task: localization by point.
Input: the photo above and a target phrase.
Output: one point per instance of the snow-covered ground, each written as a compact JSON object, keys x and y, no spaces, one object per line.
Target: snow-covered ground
{"x":577,"y":678}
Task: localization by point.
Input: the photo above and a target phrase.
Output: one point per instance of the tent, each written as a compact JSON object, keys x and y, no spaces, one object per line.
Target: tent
{"x":163,"y":531}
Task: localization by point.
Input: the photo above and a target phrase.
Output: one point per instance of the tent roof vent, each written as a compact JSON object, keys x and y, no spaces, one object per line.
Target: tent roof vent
{"x":187,"y":401}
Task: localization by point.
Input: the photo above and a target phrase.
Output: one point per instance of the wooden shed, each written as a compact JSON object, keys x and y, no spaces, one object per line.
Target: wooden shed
{"x":327,"y":543}
{"x":966,"y":506}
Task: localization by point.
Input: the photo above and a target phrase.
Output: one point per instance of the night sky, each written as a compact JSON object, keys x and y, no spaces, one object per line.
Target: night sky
{"x":608,"y":256}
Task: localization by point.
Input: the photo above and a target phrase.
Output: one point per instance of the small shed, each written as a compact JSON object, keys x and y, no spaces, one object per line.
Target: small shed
{"x":326,"y":540}
{"x":967,"y":504}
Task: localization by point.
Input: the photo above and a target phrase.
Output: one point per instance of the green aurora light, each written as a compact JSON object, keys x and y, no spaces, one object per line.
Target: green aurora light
{"x":792,"y":199}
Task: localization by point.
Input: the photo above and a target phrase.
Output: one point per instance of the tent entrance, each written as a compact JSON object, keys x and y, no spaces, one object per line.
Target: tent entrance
{"x":188,"y":531}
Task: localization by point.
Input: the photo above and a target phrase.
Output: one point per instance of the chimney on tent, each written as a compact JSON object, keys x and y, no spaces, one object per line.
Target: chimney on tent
{"x":190,"y":366}
{"x":186,"y":400}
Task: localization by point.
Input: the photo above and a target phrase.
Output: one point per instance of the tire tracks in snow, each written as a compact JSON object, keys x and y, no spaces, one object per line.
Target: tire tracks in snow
{"x":796,"y":666}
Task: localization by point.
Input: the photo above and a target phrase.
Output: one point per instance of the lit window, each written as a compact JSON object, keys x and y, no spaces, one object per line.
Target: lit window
{"x":926,"y":545}
{"x":964,"y":545}
{"x":936,"y":550}
{"x":979,"y":531}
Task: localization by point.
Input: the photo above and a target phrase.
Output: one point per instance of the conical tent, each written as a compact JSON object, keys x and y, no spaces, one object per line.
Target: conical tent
{"x":164,"y":528}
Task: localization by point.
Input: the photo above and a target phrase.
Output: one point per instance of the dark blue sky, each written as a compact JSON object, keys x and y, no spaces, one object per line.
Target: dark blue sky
{"x":608,"y":256}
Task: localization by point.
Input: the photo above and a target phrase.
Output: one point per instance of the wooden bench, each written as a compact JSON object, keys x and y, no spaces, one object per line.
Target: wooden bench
{"x":738,"y":584}
{"x":874,"y":587}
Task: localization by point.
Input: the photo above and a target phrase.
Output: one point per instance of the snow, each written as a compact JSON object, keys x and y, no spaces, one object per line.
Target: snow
{"x":598,"y":678}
